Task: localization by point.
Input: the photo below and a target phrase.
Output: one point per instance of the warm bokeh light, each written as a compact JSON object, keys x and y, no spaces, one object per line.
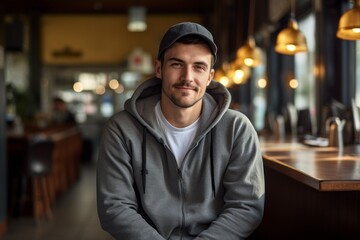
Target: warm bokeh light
{"x":113,"y":84}
{"x":356,"y":30}
{"x":225,"y":81}
{"x":293,"y":83}
{"x":262,"y":83}
{"x":249,"y":62}
{"x":238,"y":76}
{"x":100,"y":90}
{"x":221,"y":77}
{"x":78,"y":87}
{"x":291,"y":47}
{"x":120,"y":89}
{"x":232,"y":73}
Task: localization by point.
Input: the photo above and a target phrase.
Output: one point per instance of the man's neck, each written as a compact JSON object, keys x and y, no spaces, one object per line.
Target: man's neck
{"x":180,"y":117}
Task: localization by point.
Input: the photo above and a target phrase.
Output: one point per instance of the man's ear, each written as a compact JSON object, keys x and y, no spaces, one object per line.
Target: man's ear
{"x":211,"y":76}
{"x":157,"y":69}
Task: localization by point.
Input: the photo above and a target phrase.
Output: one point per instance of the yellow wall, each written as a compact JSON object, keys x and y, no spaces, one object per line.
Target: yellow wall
{"x":101,"y":39}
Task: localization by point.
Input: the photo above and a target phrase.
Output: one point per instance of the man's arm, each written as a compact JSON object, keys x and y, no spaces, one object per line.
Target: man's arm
{"x":244,"y":190}
{"x":116,"y":197}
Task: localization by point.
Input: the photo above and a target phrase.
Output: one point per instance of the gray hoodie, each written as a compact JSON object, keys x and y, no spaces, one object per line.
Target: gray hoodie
{"x":216,"y":193}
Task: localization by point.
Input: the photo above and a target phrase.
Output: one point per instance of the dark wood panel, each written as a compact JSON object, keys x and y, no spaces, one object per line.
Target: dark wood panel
{"x":294,"y":210}
{"x":106,"y":6}
{"x":3,"y":227}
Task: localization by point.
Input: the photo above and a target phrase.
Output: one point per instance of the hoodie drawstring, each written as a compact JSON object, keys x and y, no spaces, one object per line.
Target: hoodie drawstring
{"x":144,"y":171}
{"x":212,"y":163}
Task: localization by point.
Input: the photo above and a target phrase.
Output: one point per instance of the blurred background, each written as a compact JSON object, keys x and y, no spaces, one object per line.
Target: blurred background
{"x":93,"y":53}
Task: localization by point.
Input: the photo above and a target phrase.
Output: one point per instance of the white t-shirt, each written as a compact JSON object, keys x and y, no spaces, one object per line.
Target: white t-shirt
{"x":178,"y":139}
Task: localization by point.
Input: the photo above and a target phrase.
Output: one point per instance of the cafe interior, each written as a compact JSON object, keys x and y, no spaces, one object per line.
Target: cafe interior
{"x":291,"y":66}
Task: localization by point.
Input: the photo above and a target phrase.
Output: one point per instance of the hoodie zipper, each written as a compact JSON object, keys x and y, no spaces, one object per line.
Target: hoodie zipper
{"x":182,"y":202}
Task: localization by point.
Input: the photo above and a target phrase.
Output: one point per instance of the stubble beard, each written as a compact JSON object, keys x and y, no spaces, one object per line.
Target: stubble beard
{"x":177,"y":100}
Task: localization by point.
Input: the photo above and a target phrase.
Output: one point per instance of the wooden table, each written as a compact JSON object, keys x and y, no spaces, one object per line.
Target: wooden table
{"x":311,"y":192}
{"x":322,"y":168}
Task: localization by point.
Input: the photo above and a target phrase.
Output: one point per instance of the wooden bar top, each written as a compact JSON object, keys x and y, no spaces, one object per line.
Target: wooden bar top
{"x":322,"y":168}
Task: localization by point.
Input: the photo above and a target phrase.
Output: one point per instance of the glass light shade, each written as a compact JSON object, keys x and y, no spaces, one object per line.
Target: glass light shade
{"x":239,"y":74}
{"x":349,"y":24}
{"x":137,"y":19}
{"x":221,"y":77}
{"x":291,"y":40}
{"x":249,"y":54}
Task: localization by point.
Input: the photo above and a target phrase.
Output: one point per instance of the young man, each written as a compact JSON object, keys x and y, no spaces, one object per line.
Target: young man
{"x":177,"y":163}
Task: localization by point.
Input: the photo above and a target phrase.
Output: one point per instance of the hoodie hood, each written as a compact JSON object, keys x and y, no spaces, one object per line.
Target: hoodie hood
{"x":142,"y":104}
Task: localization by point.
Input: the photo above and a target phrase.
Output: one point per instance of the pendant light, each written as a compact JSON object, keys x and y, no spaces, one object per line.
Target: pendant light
{"x":249,"y":54}
{"x":291,"y":40}
{"x":137,"y":19}
{"x":238,"y":74}
{"x":221,"y":76}
{"x":349,"y":24}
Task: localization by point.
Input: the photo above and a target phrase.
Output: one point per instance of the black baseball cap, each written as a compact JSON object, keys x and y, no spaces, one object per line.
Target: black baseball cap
{"x":180,"y":30}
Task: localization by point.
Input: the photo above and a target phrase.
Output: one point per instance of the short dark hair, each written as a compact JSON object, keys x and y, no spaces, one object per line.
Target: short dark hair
{"x":192,"y":39}
{"x":58,"y":100}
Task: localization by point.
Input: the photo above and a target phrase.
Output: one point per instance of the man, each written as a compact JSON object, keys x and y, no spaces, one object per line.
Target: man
{"x":61,"y":114}
{"x":177,"y":163}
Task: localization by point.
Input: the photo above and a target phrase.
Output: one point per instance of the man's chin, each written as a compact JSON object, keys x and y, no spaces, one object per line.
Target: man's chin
{"x":183,"y":103}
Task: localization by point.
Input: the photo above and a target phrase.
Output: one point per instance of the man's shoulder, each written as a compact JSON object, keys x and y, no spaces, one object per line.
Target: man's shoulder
{"x":122,"y":122}
{"x":121,"y":116}
{"x":236,"y":118}
{"x":235,"y":114}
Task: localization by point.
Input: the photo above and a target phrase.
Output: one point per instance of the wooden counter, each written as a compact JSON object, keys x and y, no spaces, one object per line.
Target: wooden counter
{"x":64,"y":168}
{"x":311,"y":192}
{"x":322,"y":168}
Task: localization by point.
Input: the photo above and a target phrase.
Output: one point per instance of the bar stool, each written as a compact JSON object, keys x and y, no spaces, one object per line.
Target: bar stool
{"x":39,"y":163}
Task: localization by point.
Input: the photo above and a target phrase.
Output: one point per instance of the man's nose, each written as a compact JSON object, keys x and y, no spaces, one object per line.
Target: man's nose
{"x":188,"y":73}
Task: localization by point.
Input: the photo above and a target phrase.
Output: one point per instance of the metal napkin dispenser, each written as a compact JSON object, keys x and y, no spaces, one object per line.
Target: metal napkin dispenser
{"x":335,"y":129}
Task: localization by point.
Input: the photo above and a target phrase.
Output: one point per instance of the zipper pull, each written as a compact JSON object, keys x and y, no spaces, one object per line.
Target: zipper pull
{"x":179,"y":173}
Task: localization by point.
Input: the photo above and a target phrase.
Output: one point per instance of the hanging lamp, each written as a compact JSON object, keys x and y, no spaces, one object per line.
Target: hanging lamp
{"x":137,"y":19}
{"x":349,"y":24}
{"x":238,"y":74}
{"x":291,"y":40}
{"x":249,"y":54}
{"x":221,"y":76}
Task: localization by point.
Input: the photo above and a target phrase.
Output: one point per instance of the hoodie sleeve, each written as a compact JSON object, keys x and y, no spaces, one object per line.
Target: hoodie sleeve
{"x":244,"y":186}
{"x":116,"y":196}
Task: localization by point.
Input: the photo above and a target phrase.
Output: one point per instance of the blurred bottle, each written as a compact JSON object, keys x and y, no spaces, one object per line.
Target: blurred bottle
{"x":279,"y":127}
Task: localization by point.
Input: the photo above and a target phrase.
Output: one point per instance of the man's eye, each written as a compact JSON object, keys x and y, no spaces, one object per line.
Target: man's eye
{"x":200,"y":68}
{"x":176,"y":65}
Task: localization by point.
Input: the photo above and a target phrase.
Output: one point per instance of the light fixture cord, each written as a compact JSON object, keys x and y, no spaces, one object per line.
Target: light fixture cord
{"x":292,"y":6}
{"x":251,"y":18}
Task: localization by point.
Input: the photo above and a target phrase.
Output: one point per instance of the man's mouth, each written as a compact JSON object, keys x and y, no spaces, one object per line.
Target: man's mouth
{"x":185,"y":87}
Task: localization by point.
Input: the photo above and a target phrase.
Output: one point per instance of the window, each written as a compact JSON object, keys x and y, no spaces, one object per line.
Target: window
{"x":304,"y":65}
{"x":304,"y":72}
{"x":357,"y":73}
{"x":259,"y":100}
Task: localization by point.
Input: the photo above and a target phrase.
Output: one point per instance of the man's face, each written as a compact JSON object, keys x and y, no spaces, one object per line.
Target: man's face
{"x":186,"y":72}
